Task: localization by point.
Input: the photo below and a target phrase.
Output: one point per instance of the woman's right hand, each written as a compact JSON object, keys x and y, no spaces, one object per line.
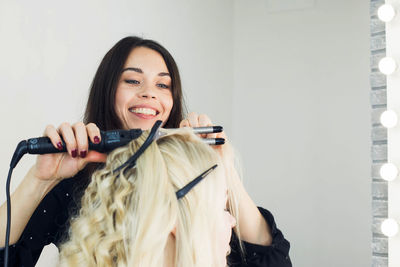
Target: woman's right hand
{"x":64,"y":165}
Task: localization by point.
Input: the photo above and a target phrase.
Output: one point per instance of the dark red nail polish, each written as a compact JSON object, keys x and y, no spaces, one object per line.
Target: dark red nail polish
{"x":59,"y":145}
{"x":96,"y":139}
{"x":83,"y":153}
{"x":74,"y":153}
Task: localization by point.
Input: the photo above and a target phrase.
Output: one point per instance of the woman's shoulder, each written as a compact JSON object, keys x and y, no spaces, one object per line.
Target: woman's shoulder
{"x":71,"y":188}
{"x":48,"y":224}
{"x":277,"y":254}
{"x":51,"y":218}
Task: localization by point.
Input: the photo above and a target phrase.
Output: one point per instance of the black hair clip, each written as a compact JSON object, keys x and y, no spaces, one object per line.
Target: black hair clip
{"x":132,"y":160}
{"x":184,"y":190}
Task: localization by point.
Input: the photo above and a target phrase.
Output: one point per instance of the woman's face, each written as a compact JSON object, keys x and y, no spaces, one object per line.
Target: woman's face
{"x":224,"y":225}
{"x":144,"y":93}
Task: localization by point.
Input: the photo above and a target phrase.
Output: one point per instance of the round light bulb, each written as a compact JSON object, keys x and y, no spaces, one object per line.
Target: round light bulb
{"x":388,"y":171}
{"x":389,"y":118}
{"x":387,"y":65}
{"x":389,"y":227}
{"x":386,"y":12}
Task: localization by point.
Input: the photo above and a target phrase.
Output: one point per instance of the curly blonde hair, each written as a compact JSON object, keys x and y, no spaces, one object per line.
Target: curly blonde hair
{"x":126,"y":217}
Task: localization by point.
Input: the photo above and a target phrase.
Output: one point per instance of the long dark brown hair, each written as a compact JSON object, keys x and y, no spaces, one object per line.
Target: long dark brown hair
{"x":100,"y":108}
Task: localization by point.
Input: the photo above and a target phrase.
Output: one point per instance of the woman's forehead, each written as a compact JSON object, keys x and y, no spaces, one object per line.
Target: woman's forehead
{"x":146,"y":59}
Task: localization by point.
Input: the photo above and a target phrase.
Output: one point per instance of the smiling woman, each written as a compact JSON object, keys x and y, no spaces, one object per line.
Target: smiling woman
{"x":54,"y":185}
{"x":144,"y":89}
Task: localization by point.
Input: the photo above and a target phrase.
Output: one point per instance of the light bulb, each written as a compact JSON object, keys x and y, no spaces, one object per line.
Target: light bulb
{"x":387,"y":65}
{"x":388,"y":171}
{"x":386,"y":12}
{"x":389,"y":227}
{"x":389,"y":118}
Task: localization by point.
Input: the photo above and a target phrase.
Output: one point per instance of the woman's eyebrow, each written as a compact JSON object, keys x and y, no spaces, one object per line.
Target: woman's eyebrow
{"x":133,"y":69}
{"x":164,"y":74}
{"x":141,"y":71}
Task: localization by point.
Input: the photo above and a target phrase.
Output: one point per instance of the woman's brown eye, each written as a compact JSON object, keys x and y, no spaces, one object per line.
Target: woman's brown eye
{"x":164,"y":86}
{"x":132,"y":81}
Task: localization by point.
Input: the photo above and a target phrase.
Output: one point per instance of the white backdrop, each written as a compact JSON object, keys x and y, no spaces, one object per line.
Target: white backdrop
{"x":289,"y":85}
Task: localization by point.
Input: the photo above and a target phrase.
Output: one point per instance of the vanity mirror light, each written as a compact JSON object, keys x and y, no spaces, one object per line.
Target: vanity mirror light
{"x":386,"y":247}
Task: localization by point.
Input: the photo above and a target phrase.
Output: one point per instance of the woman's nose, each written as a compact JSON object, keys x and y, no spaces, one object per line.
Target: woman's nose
{"x":146,"y":91}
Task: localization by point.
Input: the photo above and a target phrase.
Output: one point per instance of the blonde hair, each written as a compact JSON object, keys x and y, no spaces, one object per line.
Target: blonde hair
{"x":127,"y":217}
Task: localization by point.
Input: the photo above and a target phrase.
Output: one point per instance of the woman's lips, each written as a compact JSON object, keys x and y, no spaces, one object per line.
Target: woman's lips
{"x":144,"y":116}
{"x":144,"y":112}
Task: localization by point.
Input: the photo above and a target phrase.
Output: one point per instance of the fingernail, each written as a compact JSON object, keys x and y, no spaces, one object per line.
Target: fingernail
{"x":96,"y":139}
{"x":74,"y":153}
{"x":83,"y":153}
{"x":59,"y":145}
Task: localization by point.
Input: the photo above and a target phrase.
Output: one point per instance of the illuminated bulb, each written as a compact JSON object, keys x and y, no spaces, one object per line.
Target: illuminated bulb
{"x":388,"y":171}
{"x":389,"y":118}
{"x":386,"y":13}
{"x":389,"y":227}
{"x":387,"y":65}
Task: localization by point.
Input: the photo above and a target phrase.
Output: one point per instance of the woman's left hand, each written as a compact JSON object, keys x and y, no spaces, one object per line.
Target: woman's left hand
{"x":195,"y":120}
{"x":202,"y":120}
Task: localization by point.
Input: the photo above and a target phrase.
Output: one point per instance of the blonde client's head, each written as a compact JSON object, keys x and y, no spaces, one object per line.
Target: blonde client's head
{"x":133,"y":217}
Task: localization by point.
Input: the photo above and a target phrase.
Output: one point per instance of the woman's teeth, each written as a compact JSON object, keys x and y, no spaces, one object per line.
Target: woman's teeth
{"x":147,"y":111}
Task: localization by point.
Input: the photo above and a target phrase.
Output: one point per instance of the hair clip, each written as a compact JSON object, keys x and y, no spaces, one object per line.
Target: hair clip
{"x":132,"y":160}
{"x":184,"y":190}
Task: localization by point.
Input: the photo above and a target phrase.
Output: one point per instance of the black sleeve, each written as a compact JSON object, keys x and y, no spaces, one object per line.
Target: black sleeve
{"x":275,"y":255}
{"x":47,"y":225}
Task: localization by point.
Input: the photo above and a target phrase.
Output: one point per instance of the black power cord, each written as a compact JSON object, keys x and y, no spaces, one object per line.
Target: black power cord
{"x":8,"y":217}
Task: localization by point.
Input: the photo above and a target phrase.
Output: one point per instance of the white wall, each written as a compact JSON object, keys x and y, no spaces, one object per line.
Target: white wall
{"x":301,"y":122}
{"x":49,"y":52}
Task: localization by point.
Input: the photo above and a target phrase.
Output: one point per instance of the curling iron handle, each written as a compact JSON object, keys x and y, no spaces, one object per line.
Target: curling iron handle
{"x":109,"y":141}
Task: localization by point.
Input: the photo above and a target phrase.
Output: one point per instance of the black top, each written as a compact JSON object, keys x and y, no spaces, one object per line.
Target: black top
{"x":50,"y":222}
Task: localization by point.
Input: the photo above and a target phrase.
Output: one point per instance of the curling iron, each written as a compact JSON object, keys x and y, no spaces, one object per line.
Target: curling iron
{"x":110,"y":140}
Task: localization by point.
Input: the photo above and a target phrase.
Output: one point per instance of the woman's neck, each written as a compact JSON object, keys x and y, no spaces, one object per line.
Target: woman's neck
{"x":170,"y":252}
